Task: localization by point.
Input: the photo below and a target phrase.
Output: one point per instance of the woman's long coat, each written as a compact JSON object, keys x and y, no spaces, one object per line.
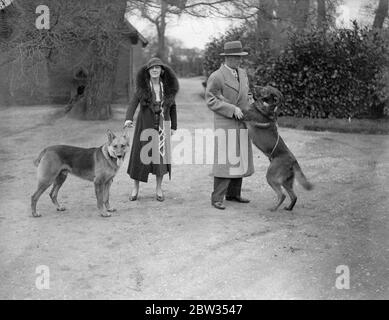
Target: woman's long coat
{"x":234,"y":157}
{"x":145,"y":120}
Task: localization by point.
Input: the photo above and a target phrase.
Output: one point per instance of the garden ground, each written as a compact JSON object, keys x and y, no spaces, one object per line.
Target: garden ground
{"x":183,"y":248}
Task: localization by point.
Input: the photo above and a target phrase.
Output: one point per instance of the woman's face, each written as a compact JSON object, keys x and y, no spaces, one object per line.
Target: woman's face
{"x":155,"y":71}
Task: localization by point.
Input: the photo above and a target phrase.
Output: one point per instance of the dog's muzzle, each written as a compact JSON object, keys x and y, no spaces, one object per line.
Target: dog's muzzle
{"x":119,"y":159}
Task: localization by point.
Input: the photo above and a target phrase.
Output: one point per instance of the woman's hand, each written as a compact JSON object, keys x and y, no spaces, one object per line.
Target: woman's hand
{"x":128,"y":124}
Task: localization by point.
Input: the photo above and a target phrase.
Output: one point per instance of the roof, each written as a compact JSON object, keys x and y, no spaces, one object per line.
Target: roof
{"x":4,"y":3}
{"x":134,"y":32}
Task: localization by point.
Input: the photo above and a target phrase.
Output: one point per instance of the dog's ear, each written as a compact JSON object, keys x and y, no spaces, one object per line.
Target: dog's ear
{"x":127,"y":138}
{"x":126,"y":135}
{"x":110,"y":135}
{"x":277,"y":93}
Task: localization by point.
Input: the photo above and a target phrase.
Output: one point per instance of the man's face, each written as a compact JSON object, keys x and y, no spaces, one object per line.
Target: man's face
{"x":233,"y":61}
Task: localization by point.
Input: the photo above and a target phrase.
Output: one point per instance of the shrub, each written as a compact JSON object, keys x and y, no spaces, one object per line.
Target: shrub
{"x":339,"y":74}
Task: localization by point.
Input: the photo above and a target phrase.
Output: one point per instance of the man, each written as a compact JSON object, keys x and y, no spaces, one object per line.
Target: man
{"x":227,"y":94}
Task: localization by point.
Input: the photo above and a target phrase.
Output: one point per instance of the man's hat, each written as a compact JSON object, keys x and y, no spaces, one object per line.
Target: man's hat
{"x":233,"y":48}
{"x":154,"y":62}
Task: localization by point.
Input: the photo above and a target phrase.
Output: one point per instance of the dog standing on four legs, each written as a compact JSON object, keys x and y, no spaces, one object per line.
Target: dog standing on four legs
{"x":98,"y":165}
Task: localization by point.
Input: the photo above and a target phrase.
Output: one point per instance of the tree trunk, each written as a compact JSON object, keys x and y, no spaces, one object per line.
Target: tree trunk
{"x":265,"y":26}
{"x":301,"y":12}
{"x":321,"y":14}
{"x":98,"y":92}
{"x":161,"y":51}
{"x":95,"y":104}
{"x":161,"y":29}
{"x":380,"y":14}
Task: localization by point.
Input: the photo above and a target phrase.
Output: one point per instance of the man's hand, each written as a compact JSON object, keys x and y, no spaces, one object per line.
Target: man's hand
{"x":238,"y":114}
{"x":172,"y":131}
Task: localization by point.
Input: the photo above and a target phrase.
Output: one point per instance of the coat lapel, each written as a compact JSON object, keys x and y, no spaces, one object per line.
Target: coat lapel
{"x":229,"y":78}
{"x":241,"y":83}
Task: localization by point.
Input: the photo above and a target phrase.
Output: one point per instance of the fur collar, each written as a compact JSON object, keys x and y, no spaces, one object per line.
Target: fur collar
{"x":169,"y":81}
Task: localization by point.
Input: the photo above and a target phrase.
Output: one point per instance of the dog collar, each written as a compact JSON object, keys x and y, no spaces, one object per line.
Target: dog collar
{"x":266,"y":115}
{"x":107,"y":155}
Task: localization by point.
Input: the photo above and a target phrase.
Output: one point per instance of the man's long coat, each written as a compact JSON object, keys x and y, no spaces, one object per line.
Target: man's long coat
{"x":233,"y":157}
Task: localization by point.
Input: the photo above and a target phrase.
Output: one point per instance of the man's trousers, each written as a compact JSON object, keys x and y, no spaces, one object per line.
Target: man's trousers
{"x":230,"y":187}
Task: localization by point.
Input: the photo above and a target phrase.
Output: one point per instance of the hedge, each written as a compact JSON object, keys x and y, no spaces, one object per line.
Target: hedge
{"x":342,"y":73}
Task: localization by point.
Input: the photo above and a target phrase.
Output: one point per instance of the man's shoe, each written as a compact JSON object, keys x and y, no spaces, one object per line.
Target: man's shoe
{"x":238,"y":199}
{"x":218,"y":205}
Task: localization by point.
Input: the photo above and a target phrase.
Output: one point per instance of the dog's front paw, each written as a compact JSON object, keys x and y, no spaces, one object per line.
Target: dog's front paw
{"x":36,"y":215}
{"x":61,"y":208}
{"x":111,"y":210}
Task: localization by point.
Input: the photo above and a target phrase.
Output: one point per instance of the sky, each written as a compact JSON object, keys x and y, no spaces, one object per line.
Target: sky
{"x":196,"y":32}
{"x":193,"y":32}
{"x":350,"y":10}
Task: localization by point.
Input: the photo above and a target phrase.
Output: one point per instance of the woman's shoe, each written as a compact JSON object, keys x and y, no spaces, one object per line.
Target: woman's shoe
{"x":160,"y":198}
{"x":134,"y":197}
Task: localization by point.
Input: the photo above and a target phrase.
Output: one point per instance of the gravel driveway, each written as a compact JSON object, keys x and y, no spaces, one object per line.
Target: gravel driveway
{"x":183,"y":248}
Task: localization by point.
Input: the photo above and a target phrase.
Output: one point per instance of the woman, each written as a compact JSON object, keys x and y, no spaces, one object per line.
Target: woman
{"x":156,"y":88}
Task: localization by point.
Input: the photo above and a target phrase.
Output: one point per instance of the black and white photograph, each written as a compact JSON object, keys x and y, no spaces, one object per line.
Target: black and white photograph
{"x":208,"y":151}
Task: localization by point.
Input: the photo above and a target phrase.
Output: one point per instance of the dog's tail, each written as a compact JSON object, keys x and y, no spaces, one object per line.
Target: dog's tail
{"x":301,"y":177}
{"x":37,"y":160}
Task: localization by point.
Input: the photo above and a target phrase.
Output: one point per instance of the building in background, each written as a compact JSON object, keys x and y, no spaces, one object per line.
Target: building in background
{"x":57,"y":84}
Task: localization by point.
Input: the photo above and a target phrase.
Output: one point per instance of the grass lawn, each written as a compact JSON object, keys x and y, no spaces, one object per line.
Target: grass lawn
{"x":380,"y":126}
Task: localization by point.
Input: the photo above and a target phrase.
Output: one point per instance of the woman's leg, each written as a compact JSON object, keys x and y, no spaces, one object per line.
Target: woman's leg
{"x":159,"y":187}
{"x":135,"y":190}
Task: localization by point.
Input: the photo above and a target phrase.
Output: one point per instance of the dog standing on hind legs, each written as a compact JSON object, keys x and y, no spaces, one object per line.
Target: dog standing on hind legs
{"x":98,"y":165}
{"x":261,"y":120}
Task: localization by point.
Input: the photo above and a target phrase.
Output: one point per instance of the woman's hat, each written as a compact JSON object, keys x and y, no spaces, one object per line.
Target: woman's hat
{"x":154,"y":62}
{"x":233,"y":48}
